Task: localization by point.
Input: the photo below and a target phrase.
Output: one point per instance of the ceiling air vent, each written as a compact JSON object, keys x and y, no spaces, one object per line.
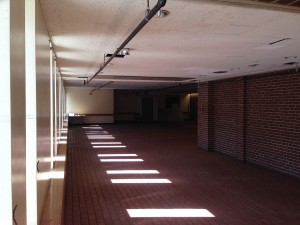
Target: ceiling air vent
{"x":275,"y":42}
{"x":221,"y":71}
{"x":290,"y":57}
{"x":293,"y":3}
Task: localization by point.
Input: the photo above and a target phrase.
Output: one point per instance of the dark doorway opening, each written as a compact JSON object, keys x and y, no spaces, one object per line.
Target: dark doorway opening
{"x":147,"y":109}
{"x":193,"y":107}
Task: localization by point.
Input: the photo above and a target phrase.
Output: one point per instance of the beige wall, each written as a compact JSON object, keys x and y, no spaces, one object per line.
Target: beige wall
{"x":18,"y":129}
{"x":43,"y":105}
{"x":79,"y":101}
{"x":5,"y":116}
{"x":23,"y":63}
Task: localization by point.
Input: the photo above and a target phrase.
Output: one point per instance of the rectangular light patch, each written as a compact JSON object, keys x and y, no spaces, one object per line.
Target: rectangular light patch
{"x":101,"y":138}
{"x":132,"y":172}
{"x":169,"y":213}
{"x":141,"y":181}
{"x":110,"y":146}
{"x":121,"y":160}
{"x":96,"y":132}
{"x":98,"y":135}
{"x":63,"y":138}
{"x":116,"y":155}
{"x":106,"y":143}
{"x":59,"y":158}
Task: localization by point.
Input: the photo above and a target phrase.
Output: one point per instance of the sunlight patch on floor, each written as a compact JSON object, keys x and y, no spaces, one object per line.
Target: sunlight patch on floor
{"x":132,"y":172}
{"x":140,"y":181}
{"x":117,"y":155}
{"x":169,"y":213}
{"x":109,"y":146}
{"x":121,"y":160}
{"x":106,"y":143}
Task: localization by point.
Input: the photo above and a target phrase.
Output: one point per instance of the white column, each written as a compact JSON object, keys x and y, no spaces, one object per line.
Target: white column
{"x":59,"y":106}
{"x":5,"y":116}
{"x":31,"y":114}
{"x":55,"y":107}
{"x":51,"y":108}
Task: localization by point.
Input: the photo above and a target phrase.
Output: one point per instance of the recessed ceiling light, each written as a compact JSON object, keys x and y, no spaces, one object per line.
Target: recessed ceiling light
{"x":290,"y":57}
{"x":235,"y":68}
{"x":221,"y":71}
{"x":290,"y":63}
{"x":254,"y":65}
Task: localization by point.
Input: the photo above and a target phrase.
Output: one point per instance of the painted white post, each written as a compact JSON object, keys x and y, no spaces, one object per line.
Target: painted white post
{"x":5,"y":116}
{"x":31,"y":114}
{"x":59,"y":106}
{"x":55,"y":108}
{"x":51,"y":108}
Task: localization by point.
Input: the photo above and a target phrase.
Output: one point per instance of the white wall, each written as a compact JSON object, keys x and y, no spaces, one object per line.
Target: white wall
{"x":79,"y":101}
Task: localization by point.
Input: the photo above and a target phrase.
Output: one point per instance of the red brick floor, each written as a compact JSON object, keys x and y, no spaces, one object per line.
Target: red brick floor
{"x":236,"y":193}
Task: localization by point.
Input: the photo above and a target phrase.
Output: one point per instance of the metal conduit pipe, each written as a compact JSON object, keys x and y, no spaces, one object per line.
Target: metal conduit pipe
{"x":148,"y":17}
{"x":101,"y":86}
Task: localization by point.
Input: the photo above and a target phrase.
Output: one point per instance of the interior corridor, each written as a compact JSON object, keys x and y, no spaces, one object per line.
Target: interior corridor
{"x":114,"y":169}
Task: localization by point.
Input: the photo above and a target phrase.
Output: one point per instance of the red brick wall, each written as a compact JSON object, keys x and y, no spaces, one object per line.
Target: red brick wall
{"x":203,"y":116}
{"x":255,"y":118}
{"x":273,"y":122}
{"x":228,"y":117}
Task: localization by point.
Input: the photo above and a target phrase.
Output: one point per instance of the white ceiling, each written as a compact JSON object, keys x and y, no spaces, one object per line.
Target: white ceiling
{"x":195,"y":40}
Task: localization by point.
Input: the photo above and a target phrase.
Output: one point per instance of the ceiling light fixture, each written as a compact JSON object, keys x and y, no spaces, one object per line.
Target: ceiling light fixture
{"x":162,"y":13}
{"x":290,"y":57}
{"x":254,"y":65}
{"x":235,"y":68}
{"x":290,"y":63}
{"x":124,"y":51}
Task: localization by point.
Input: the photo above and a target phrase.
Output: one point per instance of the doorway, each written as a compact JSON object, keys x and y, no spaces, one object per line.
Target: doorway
{"x":147,"y":109}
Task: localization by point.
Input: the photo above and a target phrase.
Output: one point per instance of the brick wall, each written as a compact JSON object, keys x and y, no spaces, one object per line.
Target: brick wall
{"x":203,"y":117}
{"x":228,"y":117}
{"x":273,"y":122}
{"x":255,"y":118}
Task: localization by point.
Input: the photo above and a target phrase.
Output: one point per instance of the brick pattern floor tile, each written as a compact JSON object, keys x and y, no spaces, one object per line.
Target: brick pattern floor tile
{"x":234,"y":192}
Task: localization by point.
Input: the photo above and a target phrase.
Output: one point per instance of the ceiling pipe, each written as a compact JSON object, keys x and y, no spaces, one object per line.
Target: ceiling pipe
{"x":101,"y":86}
{"x":148,"y":17}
